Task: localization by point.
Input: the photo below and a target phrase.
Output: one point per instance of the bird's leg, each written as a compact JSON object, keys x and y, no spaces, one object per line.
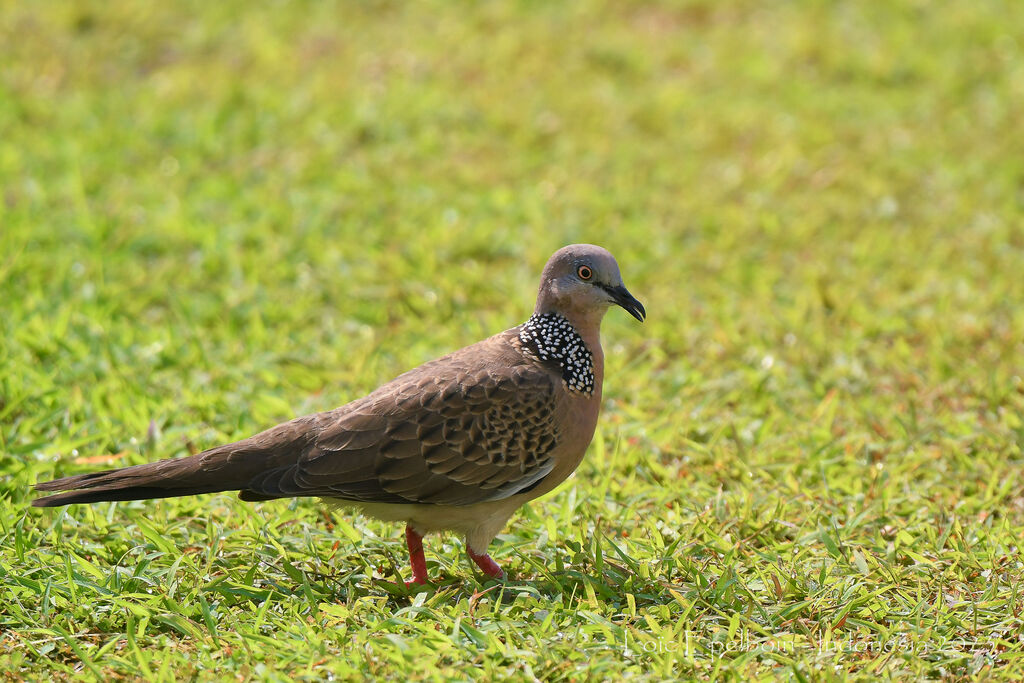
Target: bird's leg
{"x":486,"y":564}
{"x":419,"y":563}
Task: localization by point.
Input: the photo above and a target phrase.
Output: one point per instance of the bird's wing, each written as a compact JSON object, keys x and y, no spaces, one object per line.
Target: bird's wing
{"x":442,"y":434}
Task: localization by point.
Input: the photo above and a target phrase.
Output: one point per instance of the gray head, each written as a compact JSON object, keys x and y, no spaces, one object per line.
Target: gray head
{"x":583,"y":281}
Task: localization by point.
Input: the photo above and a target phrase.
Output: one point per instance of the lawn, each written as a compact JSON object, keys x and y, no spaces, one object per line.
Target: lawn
{"x":218,"y":216}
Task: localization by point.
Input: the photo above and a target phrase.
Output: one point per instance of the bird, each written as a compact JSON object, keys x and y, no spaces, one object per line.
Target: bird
{"x":457,"y":444}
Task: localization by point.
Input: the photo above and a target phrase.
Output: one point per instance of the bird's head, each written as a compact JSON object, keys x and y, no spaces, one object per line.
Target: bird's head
{"x":581,"y":281}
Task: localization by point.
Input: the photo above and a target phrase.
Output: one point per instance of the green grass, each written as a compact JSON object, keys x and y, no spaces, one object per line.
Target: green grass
{"x":215,"y":217}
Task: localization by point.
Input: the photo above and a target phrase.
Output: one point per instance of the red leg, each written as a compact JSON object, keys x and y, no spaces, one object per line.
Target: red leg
{"x":486,"y":564}
{"x":416,"y":559}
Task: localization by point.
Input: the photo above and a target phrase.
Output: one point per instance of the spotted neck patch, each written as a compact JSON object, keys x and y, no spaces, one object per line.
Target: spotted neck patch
{"x":550,"y":337}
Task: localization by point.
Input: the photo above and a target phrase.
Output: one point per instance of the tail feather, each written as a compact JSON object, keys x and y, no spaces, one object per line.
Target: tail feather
{"x":163,"y":479}
{"x":231,"y":467}
{"x":100,"y":495}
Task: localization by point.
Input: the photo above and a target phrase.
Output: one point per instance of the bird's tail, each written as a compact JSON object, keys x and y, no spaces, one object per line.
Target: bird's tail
{"x":231,"y":467}
{"x":164,"y":479}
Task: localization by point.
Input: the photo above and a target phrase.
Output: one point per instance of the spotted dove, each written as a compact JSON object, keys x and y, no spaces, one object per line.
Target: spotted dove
{"x":458,"y":443}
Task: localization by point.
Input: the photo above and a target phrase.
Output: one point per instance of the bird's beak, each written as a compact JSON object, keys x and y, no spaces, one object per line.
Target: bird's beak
{"x":622,"y":297}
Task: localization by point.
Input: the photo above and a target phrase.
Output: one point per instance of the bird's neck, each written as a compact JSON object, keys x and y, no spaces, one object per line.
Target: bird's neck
{"x":552,"y":337}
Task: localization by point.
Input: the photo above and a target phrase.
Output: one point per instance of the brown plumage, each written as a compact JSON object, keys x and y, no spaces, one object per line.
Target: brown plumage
{"x":458,"y":443}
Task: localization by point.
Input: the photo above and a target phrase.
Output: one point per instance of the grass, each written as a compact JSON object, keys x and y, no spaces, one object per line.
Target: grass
{"x":217,"y":216}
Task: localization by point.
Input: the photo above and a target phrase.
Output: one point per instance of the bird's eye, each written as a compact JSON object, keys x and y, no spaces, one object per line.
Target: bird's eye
{"x":585,"y":272}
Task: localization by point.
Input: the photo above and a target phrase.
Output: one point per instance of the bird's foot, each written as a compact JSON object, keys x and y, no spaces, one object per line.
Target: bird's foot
{"x":416,"y":583}
{"x":486,"y":564}
{"x":416,"y":560}
{"x":401,"y":588}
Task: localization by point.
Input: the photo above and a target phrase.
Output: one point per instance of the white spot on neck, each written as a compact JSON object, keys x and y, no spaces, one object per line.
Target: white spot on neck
{"x":550,"y":337}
